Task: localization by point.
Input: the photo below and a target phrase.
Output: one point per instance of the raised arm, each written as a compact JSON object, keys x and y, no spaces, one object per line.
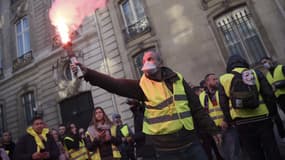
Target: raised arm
{"x":123,"y":87}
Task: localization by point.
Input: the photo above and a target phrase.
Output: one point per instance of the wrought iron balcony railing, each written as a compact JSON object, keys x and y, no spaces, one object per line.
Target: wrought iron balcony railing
{"x":22,"y":61}
{"x":140,"y":27}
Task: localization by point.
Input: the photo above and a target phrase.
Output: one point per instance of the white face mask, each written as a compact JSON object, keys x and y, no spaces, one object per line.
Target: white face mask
{"x":267,"y":65}
{"x":149,"y":68}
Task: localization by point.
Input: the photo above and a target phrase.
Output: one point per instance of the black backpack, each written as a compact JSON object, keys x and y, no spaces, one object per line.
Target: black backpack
{"x":243,"y":95}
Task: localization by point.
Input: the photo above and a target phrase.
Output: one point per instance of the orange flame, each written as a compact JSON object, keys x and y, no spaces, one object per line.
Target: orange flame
{"x":63,"y":31}
{"x":67,"y":15}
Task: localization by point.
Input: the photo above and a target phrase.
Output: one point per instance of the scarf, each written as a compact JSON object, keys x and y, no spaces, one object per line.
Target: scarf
{"x":39,"y":142}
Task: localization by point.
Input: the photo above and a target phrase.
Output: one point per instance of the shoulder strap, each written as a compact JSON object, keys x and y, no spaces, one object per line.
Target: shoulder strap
{"x":235,"y":73}
{"x":206,"y":101}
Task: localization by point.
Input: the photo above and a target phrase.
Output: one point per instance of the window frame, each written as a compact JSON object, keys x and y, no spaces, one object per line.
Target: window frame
{"x":22,"y":34}
{"x":31,"y":104}
{"x":219,"y":10}
{"x":239,"y":37}
{"x":132,"y":7}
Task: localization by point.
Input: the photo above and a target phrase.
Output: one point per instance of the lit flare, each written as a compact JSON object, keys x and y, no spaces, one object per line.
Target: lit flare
{"x":68,"y":15}
{"x":63,"y":30}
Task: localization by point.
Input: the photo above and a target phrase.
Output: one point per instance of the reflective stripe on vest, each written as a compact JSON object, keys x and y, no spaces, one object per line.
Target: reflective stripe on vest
{"x":165,"y":112}
{"x":225,"y":81}
{"x":115,"y":150}
{"x":168,"y":101}
{"x":166,"y":118}
{"x":215,"y":112}
{"x":276,"y":77}
{"x":80,"y":154}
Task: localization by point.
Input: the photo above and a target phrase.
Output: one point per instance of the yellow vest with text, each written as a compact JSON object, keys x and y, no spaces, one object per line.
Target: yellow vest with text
{"x":115,"y":150}
{"x":215,"y":112}
{"x":276,"y":77}
{"x":80,"y":154}
{"x":225,"y":81}
{"x":165,"y":112}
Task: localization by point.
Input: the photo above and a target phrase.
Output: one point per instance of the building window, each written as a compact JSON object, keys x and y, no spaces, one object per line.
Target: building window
{"x":2,"y":119}
{"x":138,"y":60}
{"x":240,"y":35}
{"x":23,"y":36}
{"x":28,"y":102}
{"x":135,"y":19}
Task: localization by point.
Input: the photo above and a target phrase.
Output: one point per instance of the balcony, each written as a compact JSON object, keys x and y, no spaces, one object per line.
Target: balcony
{"x":22,"y":61}
{"x":140,"y":27}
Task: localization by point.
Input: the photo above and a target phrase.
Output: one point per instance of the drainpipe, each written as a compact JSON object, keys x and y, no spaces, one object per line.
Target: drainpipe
{"x":95,"y":17}
{"x":280,"y":7}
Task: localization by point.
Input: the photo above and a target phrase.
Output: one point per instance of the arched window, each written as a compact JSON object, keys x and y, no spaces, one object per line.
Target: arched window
{"x":135,"y":19}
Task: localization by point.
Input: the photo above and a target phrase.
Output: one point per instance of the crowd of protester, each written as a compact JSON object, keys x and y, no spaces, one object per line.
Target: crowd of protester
{"x":104,"y":139}
{"x":245,"y":134}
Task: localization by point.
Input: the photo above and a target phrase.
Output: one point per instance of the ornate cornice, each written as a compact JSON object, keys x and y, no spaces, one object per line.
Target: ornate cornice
{"x":208,"y":4}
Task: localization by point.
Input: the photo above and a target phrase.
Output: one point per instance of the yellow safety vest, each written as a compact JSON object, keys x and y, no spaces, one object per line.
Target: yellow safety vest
{"x":125,"y":130}
{"x":80,"y":154}
{"x":215,"y":112}
{"x":165,"y":112}
{"x":225,"y":81}
{"x":115,"y":150}
{"x":276,"y":77}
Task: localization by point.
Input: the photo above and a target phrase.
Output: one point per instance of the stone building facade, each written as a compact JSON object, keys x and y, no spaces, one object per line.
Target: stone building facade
{"x":194,"y":37}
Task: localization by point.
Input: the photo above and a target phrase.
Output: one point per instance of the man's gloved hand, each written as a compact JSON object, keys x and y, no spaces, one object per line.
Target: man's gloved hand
{"x":74,"y":67}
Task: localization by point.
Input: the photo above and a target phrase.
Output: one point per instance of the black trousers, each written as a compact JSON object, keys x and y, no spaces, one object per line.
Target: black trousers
{"x":258,"y":140}
{"x":208,"y":144}
{"x":281,"y":102}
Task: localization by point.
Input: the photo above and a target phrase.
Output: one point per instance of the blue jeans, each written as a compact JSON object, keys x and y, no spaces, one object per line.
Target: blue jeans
{"x":193,"y":152}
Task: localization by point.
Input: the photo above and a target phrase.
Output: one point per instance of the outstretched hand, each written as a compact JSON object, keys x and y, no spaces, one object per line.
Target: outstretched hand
{"x":74,"y":68}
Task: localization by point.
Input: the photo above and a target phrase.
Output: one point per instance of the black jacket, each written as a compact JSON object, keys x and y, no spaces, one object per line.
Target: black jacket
{"x":143,"y":148}
{"x":26,"y":146}
{"x":10,"y":147}
{"x":72,"y":144}
{"x":131,"y":89}
{"x":265,"y":88}
{"x":105,"y":147}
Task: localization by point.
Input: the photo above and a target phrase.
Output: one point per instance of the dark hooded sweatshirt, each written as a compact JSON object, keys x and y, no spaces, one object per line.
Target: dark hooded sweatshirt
{"x":131,"y":89}
{"x":266,"y":91}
